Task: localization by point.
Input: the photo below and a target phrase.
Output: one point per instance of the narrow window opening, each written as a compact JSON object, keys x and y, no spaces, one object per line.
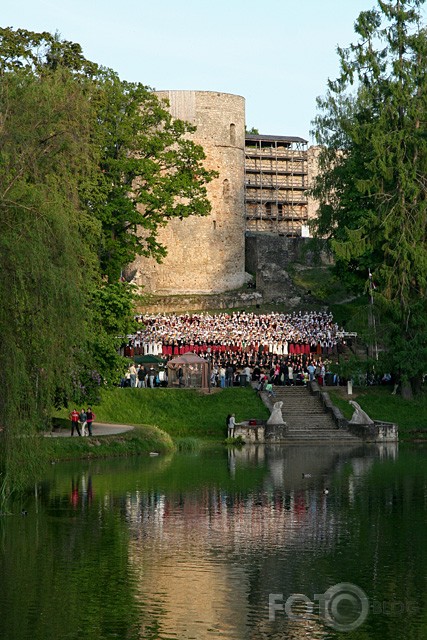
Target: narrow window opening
{"x":226,"y":188}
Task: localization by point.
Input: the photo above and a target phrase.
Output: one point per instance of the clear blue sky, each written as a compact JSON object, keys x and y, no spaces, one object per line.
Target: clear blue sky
{"x":278,"y":54}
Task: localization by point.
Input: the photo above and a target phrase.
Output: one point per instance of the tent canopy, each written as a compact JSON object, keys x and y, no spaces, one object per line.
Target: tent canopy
{"x":188,"y":358}
{"x":149,"y":359}
{"x":195,"y":371}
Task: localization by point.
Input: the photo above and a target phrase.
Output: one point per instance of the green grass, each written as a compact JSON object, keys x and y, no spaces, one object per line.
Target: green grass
{"x":181,"y":413}
{"x":189,"y":444}
{"x":380,"y":404}
{"x":136,"y":442}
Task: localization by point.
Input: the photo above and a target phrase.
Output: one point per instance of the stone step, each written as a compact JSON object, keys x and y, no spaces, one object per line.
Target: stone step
{"x":313,"y":436}
{"x":310,"y":429}
{"x":320,"y":432}
{"x":309,"y":417}
{"x":306,"y":418}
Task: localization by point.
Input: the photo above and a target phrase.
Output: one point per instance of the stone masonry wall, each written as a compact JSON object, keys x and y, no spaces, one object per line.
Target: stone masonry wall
{"x":206,"y":254}
{"x":271,"y":259}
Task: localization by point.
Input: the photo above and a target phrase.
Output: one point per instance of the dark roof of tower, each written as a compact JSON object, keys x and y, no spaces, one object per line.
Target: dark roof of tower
{"x":286,"y":139}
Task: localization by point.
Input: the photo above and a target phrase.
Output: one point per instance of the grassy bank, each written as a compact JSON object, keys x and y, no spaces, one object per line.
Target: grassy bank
{"x":187,"y":417}
{"x":380,"y":404}
{"x":181,"y":413}
{"x":136,"y":442}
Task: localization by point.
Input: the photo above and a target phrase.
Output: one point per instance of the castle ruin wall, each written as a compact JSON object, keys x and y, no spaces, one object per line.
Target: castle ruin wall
{"x":205,"y":254}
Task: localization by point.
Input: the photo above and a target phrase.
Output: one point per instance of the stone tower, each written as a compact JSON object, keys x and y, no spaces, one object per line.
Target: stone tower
{"x":206,"y":254}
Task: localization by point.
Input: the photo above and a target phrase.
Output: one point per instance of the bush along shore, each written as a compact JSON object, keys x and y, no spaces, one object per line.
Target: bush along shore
{"x":141,"y":440}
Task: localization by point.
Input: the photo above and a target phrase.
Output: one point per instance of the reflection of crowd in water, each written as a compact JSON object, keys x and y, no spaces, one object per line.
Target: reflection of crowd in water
{"x":287,"y":348}
{"x":274,"y":517}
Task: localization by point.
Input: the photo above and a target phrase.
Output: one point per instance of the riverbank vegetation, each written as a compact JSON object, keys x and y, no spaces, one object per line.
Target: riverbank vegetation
{"x":141,"y":440}
{"x":181,"y":413}
{"x":87,"y":161}
{"x":192,"y":418}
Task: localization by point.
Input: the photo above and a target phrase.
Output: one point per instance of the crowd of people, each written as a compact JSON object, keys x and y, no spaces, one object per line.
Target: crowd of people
{"x":245,"y":332}
{"x":145,"y":377}
{"x":283,"y":348}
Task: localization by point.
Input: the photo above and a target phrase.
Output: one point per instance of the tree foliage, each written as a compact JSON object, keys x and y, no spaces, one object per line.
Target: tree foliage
{"x":86,"y":161}
{"x":150,"y":172}
{"x":372,"y":126}
{"x":43,"y":247}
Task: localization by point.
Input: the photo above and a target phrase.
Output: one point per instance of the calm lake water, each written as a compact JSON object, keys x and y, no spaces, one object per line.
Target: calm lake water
{"x":221,"y":544}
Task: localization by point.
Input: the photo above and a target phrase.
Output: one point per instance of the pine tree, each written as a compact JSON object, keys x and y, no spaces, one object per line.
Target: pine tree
{"x":373,"y":127}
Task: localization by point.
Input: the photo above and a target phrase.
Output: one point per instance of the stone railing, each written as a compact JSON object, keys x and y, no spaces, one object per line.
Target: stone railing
{"x":251,"y":431}
{"x":380,"y":431}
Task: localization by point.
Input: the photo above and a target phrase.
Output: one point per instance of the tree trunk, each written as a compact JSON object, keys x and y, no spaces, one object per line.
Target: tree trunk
{"x":406,"y":391}
{"x":416,"y":384}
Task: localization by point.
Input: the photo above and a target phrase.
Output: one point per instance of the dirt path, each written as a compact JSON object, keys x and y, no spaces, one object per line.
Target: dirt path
{"x":98,"y":429}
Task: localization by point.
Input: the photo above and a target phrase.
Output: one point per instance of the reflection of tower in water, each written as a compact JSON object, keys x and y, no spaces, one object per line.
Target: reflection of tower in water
{"x":205,"y":559}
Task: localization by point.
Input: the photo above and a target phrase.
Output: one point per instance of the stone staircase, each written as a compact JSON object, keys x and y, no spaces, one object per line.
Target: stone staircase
{"x":306,"y":418}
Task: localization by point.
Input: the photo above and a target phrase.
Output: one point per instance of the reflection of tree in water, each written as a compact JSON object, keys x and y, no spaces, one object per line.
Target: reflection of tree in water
{"x":69,"y":565}
{"x":179,"y":554}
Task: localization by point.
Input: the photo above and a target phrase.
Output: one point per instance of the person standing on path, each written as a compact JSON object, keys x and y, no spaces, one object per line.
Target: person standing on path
{"x":90,"y":417}
{"x":74,"y":417}
{"x":141,"y":375}
{"x":180,"y":376}
{"x":151,"y":377}
{"x":229,"y":372}
{"x":82,"y":420}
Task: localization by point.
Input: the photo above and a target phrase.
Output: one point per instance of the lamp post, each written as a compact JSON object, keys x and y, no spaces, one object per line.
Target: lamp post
{"x":372,"y":322}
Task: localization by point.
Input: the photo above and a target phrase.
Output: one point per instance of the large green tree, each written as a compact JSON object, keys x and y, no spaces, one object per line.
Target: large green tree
{"x":46,"y":259}
{"x":151,"y":171}
{"x":86,"y":162}
{"x":372,"y":125}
